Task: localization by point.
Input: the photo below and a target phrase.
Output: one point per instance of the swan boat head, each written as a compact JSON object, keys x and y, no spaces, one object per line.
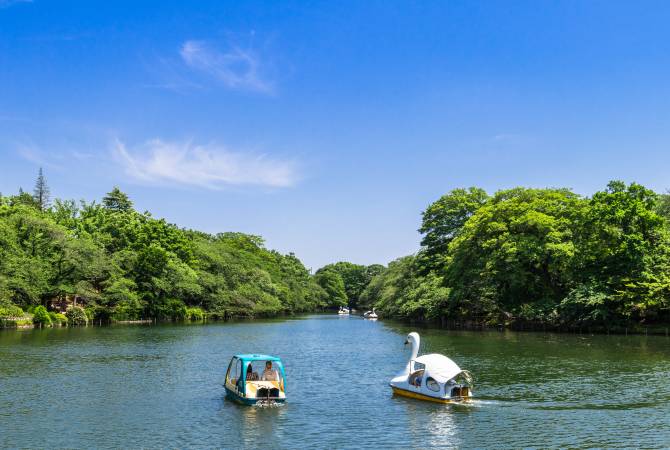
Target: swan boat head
{"x":414,"y":340}
{"x":432,"y":377}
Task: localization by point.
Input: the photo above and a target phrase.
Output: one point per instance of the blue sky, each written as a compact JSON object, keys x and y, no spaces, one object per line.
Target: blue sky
{"x":327,"y":127}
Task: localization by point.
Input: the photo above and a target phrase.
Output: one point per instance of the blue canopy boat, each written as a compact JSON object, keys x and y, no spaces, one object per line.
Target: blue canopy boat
{"x":252,"y":379}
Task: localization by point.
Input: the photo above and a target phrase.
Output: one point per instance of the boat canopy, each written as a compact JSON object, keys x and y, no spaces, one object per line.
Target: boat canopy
{"x":439,"y":366}
{"x":248,"y":357}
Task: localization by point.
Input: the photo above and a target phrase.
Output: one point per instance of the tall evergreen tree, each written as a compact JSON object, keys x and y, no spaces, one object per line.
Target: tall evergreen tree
{"x":41,"y":193}
{"x":116,"y":200}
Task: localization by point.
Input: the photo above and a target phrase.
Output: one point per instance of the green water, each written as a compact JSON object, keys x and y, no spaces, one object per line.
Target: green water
{"x":160,"y":386}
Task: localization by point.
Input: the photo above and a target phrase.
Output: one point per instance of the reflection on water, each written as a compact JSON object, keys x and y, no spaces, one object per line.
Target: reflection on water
{"x":161,"y":386}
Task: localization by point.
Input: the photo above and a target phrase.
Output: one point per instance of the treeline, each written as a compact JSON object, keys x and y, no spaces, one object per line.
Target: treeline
{"x":520,"y":256}
{"x":534,"y":256}
{"x":125,"y":265}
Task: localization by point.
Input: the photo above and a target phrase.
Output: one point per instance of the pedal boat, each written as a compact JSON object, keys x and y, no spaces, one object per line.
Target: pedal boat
{"x":251,"y":390}
{"x":343,"y":311}
{"x":371,"y":315}
{"x":432,"y":377}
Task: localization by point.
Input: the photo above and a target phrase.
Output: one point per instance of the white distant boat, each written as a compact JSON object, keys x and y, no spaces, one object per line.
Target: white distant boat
{"x":344,"y":311}
{"x":432,"y":377}
{"x":372,"y":315}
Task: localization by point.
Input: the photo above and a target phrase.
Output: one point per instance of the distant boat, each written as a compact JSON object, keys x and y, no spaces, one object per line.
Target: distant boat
{"x":249,"y":387}
{"x":344,"y":311}
{"x":372,"y":315}
{"x":432,"y":377}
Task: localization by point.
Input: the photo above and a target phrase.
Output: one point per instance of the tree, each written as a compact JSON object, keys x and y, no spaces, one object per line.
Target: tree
{"x":331,"y":282}
{"x":663,"y":206}
{"x":41,"y":193}
{"x":443,"y":220}
{"x":624,"y":253}
{"x":41,"y":317}
{"x":514,"y":256}
{"x":117,"y":201}
{"x":354,"y":278}
{"x":401,"y":291}
{"x":23,"y":198}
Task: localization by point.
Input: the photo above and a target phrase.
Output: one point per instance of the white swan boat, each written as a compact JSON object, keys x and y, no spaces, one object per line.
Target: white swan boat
{"x":372,"y":315}
{"x":344,"y":311}
{"x":432,"y":377}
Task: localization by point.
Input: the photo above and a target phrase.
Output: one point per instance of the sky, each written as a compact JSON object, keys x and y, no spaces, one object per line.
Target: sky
{"x":328,"y":127}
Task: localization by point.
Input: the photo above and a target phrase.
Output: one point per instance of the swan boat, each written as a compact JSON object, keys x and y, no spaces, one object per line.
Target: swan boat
{"x":372,"y":315}
{"x":343,"y":311}
{"x":253,"y":379}
{"x":432,"y":377}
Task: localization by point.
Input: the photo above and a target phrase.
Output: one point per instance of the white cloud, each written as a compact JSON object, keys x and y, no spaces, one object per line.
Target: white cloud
{"x":236,"y":68}
{"x":208,"y":166}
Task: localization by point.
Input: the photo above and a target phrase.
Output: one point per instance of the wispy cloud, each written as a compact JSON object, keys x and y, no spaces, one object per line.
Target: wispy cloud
{"x":235,"y":67}
{"x":8,"y":3}
{"x":206,"y":166}
{"x":36,"y":156}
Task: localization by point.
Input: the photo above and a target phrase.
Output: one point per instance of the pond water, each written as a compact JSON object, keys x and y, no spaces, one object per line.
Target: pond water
{"x":161,"y":386}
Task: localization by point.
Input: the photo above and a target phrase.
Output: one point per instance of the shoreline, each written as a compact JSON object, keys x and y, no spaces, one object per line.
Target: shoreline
{"x":633,"y":330}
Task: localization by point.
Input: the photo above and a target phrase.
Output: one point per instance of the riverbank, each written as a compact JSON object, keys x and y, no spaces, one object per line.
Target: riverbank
{"x":632,"y":329}
{"x":26,"y":321}
{"x":660,"y":329}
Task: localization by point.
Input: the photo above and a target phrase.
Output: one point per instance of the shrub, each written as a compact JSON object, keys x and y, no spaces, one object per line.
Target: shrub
{"x":195,"y":314}
{"x":128,"y":309}
{"x":174,"y":310}
{"x":58,"y":318}
{"x":76,"y":316}
{"x":41,"y":316}
{"x":8,"y":311}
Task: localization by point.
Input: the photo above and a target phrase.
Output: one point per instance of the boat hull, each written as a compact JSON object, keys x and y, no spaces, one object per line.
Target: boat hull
{"x":249,"y":401}
{"x":420,"y":396}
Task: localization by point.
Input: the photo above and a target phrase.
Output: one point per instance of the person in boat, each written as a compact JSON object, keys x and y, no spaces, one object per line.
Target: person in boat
{"x":269,"y":374}
{"x":251,"y":375}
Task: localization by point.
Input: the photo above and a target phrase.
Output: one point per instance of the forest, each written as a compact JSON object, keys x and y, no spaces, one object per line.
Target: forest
{"x":125,"y":265}
{"x":535,"y":257}
{"x":545,"y":257}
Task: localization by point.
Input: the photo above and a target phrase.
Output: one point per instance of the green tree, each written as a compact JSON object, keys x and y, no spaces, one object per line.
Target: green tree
{"x":354,"y":277}
{"x":41,"y":317}
{"x":513,"y":257}
{"x":623,"y":254}
{"x":41,"y":193}
{"x":443,"y":220}
{"x":76,"y":316}
{"x":117,"y":201}
{"x":331,"y":282}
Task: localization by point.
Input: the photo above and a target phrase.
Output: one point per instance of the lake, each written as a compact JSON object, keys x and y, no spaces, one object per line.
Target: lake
{"x":161,"y":386}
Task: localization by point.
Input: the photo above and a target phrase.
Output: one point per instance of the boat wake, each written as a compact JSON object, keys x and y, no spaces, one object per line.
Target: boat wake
{"x":268,"y":404}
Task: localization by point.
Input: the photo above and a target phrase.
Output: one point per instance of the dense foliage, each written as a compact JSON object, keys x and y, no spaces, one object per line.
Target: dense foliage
{"x":41,"y":316}
{"x":539,"y":256}
{"x":542,"y":256}
{"x":125,"y":265}
{"x":344,"y":282}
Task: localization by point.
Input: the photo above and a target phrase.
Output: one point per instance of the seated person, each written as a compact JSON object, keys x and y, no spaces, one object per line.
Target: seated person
{"x":415,"y":378}
{"x":251,"y":375}
{"x":269,"y":374}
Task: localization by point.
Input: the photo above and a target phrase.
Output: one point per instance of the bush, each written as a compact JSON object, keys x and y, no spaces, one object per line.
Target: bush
{"x":58,"y":318}
{"x":10,"y":311}
{"x":76,"y":316}
{"x":195,"y":314}
{"x":174,"y":310}
{"x":128,"y":309}
{"x":41,"y":316}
